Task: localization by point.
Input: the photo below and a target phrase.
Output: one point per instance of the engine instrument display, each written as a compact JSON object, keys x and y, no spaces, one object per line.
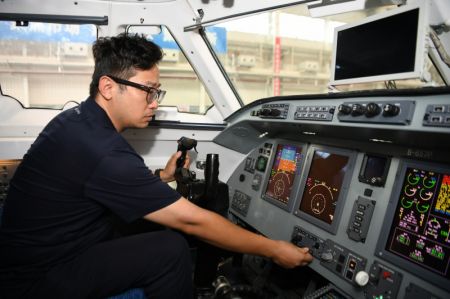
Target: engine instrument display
{"x":421,"y":226}
{"x":282,"y":175}
{"x":323,"y":185}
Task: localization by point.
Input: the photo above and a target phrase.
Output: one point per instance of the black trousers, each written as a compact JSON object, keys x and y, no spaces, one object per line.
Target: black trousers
{"x":159,"y":262}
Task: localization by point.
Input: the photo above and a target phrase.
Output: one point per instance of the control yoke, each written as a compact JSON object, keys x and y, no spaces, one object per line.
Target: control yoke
{"x":204,"y":193}
{"x":185,"y":144}
{"x":210,"y":194}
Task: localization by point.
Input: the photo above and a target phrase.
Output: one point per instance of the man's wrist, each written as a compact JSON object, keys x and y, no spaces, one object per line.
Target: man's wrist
{"x":158,"y":172}
{"x":163,"y":175}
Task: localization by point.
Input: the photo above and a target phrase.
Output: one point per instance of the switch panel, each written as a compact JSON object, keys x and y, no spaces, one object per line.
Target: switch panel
{"x":384,"y":282}
{"x":274,"y":111}
{"x":359,"y":222}
{"x":381,"y":112}
{"x":437,"y":116}
{"x":336,"y":258}
{"x":322,"y":113}
{"x":303,"y":238}
{"x":343,"y":261}
{"x":240,"y":202}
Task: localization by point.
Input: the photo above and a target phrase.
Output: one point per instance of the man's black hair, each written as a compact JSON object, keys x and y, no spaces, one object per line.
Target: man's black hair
{"x":121,"y":56}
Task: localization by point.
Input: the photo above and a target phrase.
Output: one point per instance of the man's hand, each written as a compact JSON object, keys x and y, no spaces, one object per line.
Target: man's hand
{"x":216,"y":230}
{"x":289,"y":256}
{"x":168,"y":173}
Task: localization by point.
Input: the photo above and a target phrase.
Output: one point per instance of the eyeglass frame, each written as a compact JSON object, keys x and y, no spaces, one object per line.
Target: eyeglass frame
{"x":158,"y":96}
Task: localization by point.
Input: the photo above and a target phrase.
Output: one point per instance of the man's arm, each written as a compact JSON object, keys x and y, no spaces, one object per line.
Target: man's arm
{"x":167,"y":174}
{"x":216,"y":230}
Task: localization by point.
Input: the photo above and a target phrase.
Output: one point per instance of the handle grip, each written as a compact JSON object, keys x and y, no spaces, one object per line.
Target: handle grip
{"x":185,"y":144}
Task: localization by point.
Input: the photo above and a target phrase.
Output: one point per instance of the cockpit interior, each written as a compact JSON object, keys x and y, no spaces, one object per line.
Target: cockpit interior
{"x":322,"y":123}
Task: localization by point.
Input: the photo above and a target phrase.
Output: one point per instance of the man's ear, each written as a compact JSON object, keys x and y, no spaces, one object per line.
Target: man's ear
{"x":105,"y":87}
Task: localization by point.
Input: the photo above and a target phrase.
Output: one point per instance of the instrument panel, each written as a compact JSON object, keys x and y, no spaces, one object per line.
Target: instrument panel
{"x":368,"y":197}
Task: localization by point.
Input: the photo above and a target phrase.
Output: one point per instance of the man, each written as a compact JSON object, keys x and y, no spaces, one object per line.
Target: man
{"x":57,"y":235}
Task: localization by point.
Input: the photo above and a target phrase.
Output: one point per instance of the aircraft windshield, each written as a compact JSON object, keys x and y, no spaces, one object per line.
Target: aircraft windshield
{"x":287,"y":52}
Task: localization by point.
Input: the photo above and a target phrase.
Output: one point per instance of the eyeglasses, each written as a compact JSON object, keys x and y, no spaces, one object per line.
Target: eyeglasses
{"x":153,"y":94}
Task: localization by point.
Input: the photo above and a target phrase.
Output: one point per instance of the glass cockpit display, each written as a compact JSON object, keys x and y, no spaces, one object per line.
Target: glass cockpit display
{"x":374,"y":170}
{"x":323,"y":185}
{"x":421,"y":226}
{"x":282,"y":174}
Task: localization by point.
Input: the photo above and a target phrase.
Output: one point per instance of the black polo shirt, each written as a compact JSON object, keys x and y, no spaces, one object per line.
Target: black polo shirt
{"x":77,"y":173}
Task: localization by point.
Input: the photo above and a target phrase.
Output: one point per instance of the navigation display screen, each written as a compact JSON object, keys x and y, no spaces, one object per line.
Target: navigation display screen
{"x":323,"y":185}
{"x":421,"y":225}
{"x":283,"y":171}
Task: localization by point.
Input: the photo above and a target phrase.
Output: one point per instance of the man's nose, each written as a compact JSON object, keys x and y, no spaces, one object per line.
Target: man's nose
{"x":154,"y":104}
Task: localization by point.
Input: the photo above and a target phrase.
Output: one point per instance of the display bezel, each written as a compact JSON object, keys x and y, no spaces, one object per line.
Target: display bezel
{"x":300,"y":165}
{"x":363,"y":179}
{"x":380,"y":249}
{"x":420,"y":47}
{"x":333,"y":226}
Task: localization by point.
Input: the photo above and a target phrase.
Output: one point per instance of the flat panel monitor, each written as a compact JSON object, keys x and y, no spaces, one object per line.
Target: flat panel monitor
{"x":324,"y":190}
{"x":286,"y":165}
{"x":387,"y":46}
{"x":416,"y":233}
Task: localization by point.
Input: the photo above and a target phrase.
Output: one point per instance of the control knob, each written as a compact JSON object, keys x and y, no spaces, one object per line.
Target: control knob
{"x":358,"y":109}
{"x":362,"y":278}
{"x":390,"y":110}
{"x":376,"y":181}
{"x":344,"y":109}
{"x":265,"y":112}
{"x":241,"y":177}
{"x":372,"y":109}
{"x":275,"y":112}
{"x":326,"y":256}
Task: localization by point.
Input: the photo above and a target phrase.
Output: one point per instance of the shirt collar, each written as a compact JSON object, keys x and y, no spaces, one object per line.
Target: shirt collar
{"x":94,"y":108}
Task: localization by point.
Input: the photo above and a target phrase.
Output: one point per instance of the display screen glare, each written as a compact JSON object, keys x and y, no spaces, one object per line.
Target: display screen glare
{"x":421,"y":225}
{"x":287,"y":158}
{"x":323,"y":185}
{"x":375,"y":167}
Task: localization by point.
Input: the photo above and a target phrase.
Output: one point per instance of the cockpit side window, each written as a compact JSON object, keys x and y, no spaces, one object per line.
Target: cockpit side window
{"x":184,"y":89}
{"x":46,"y":65}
